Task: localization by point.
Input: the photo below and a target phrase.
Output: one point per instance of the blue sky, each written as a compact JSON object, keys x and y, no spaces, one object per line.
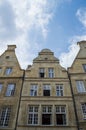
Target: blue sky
{"x":37,"y":24}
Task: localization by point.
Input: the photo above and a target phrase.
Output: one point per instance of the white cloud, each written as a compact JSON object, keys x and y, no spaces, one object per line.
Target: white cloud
{"x":32,"y":13}
{"x":27,"y":16}
{"x":66,"y":59}
{"x":81,"y":14}
{"x":26,"y":22}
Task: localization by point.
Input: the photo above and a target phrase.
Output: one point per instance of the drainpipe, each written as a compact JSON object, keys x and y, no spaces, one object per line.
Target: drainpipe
{"x":16,"y":124}
{"x":74,"y":103}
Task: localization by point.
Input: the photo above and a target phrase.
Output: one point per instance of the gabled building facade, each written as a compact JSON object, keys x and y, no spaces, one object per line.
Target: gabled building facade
{"x":46,"y":100}
{"x":45,"y":96}
{"x":10,"y":88}
{"x":77,"y":74}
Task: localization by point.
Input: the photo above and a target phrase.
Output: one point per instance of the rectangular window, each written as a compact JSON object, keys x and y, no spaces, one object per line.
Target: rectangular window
{"x":46,"y":90}
{"x":1,"y":85}
{"x":46,"y":115}
{"x":0,"y":69}
{"x":33,"y":115}
{"x":50,"y":72}
{"x":5,"y":116}
{"x":41,"y":72}
{"x":60,"y":115}
{"x":8,"y":71}
{"x":84,"y":110}
{"x":33,"y":90}
{"x":80,"y":86}
{"x":84,"y":67}
{"x":10,"y":90}
{"x":59,"y":90}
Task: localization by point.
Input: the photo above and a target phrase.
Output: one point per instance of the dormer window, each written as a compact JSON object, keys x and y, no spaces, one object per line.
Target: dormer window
{"x":8,"y":71}
{"x":41,"y":73}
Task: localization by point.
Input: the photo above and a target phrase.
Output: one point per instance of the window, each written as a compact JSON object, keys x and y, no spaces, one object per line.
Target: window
{"x":84,"y":110}
{"x":84,"y":67}
{"x":5,"y":116}
{"x":0,"y":69}
{"x":41,"y":72}
{"x":33,"y":115}
{"x":8,"y":71}
{"x":33,"y":90}
{"x":7,"y":57}
{"x":46,"y":115}
{"x":10,"y":90}
{"x":46,"y":90}
{"x":50,"y":72}
{"x":1,"y":85}
{"x":59,"y":90}
{"x":80,"y":86}
{"x":60,"y":115}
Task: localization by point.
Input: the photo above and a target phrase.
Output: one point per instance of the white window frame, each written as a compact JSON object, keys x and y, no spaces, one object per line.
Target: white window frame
{"x":33,"y":114}
{"x":46,"y":87}
{"x":80,"y":86}
{"x":8,"y":70}
{"x":41,"y":71}
{"x":33,"y":90}
{"x":83,"y":107}
{"x":51,"y":72}
{"x":10,"y":89}
{"x":59,"y":90}
{"x":5,"y":116}
{"x":61,"y":110}
{"x":47,"y":109}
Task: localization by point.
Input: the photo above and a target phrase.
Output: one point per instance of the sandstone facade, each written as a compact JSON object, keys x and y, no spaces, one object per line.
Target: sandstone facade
{"x":45,"y":96}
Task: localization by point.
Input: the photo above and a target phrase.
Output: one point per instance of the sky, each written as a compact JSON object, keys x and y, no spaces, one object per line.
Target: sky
{"x":33,"y":25}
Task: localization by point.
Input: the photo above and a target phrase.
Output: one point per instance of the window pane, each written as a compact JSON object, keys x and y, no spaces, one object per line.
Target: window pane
{"x":59,"y":90}
{"x":5,"y":115}
{"x":35,"y":118}
{"x":10,"y":90}
{"x":46,"y":93}
{"x":33,"y":90}
{"x":41,"y":72}
{"x":46,"y":119}
{"x":84,"y":67}
{"x":33,"y":115}
{"x":46,"y":115}
{"x":80,"y":86}
{"x":50,"y":72}
{"x":1,"y":85}
{"x":8,"y":71}
{"x":84,"y":110}
{"x":0,"y":69}
{"x":47,"y":109}
{"x":46,"y":90}
{"x":60,"y":115}
{"x":60,"y":119}
{"x":46,"y":87}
